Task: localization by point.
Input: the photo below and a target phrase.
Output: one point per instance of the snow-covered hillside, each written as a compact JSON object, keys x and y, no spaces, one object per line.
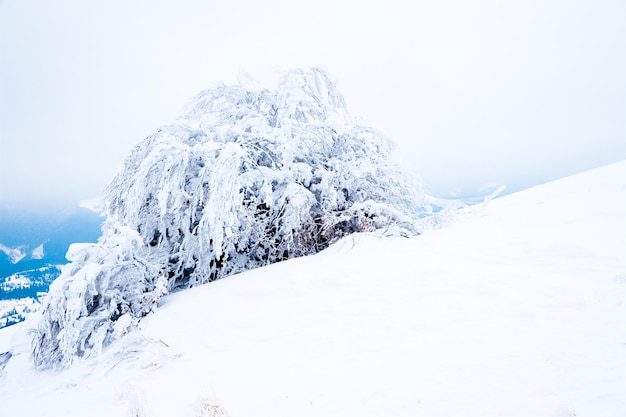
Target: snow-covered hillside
{"x":517,"y":309}
{"x":13,"y":254}
{"x":38,"y":234}
{"x":246,"y":178}
{"x":21,"y":293}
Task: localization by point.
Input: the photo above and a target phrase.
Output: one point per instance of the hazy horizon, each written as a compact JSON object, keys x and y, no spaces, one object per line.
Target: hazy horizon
{"x":475,"y":94}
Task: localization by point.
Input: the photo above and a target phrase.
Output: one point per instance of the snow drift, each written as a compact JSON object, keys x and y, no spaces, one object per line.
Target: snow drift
{"x":246,"y":178}
{"x":516,"y":310}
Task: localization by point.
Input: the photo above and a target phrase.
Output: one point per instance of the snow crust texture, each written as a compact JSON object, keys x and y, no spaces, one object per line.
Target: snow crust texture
{"x":246,"y":178}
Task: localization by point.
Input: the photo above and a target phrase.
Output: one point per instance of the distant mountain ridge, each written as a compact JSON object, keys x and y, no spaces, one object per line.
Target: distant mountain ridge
{"x":34,"y":237}
{"x":33,"y":242}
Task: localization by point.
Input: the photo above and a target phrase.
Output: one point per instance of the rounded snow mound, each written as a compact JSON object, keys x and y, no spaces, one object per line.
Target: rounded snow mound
{"x":246,"y":178}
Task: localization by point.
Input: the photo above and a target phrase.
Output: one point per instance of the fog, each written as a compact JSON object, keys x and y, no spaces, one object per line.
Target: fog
{"x":474,"y":93}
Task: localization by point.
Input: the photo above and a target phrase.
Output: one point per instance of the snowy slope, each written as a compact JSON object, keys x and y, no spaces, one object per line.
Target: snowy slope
{"x":245,"y":178}
{"x":517,"y":309}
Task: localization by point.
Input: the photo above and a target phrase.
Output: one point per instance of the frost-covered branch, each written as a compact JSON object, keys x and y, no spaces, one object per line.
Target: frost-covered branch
{"x":244,"y":179}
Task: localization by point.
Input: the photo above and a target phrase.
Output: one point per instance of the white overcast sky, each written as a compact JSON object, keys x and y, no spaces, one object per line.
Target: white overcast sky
{"x":475,"y":93}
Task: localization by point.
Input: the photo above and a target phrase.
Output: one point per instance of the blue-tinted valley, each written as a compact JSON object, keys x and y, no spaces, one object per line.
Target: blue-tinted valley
{"x":33,"y":242}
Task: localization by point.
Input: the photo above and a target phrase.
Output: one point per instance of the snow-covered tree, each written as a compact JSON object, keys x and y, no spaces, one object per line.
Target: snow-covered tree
{"x":246,"y":178}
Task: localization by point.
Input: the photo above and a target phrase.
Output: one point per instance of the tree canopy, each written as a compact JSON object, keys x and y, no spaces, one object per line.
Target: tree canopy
{"x":247,"y":177}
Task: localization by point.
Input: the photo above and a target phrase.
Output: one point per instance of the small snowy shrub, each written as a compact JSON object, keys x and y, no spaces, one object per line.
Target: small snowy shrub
{"x":244,"y":179}
{"x":207,"y":409}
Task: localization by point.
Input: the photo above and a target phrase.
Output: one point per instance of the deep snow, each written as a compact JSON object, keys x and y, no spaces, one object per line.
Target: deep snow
{"x":516,"y":309}
{"x":245,"y":178}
